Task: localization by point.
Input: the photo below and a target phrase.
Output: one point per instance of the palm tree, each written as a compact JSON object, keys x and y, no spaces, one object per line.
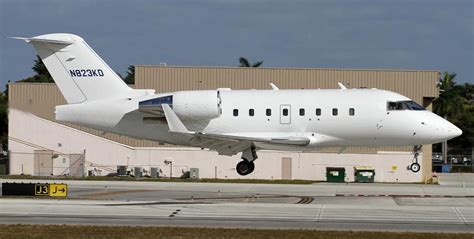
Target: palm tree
{"x":42,"y":73}
{"x":243,"y":62}
{"x":450,"y":104}
{"x":130,"y":78}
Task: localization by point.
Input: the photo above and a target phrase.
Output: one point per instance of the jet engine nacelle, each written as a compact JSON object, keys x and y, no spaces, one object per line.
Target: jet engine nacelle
{"x":197,"y":105}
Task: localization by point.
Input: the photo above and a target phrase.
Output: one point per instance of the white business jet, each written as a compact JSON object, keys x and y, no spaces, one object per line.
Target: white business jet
{"x":233,"y":121}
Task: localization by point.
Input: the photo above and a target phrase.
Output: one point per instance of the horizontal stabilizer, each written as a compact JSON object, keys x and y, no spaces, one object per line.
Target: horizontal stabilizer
{"x":32,"y":39}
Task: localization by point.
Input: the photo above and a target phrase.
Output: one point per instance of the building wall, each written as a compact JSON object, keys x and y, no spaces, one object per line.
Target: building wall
{"x":414,"y":84}
{"x":30,"y":134}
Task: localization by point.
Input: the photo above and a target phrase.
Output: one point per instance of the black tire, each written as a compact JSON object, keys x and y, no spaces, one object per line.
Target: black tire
{"x":415,"y":167}
{"x":245,"y":167}
{"x":252,"y":167}
{"x":242,"y":168}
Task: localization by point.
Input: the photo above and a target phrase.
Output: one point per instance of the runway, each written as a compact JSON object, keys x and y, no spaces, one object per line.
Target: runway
{"x":391,"y":207}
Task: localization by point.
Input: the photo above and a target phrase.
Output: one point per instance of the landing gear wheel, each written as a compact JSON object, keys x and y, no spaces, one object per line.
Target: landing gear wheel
{"x":245,"y":167}
{"x":252,"y":167}
{"x":415,"y":167}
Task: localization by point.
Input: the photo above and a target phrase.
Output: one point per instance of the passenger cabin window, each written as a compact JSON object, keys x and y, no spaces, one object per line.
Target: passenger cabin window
{"x":351,"y":111}
{"x":285,"y":112}
{"x":236,"y":112}
{"x":404,"y":105}
{"x":318,"y":112}
{"x":251,"y":112}
{"x":334,"y":111}
{"x":301,"y":112}
{"x":268,"y":112}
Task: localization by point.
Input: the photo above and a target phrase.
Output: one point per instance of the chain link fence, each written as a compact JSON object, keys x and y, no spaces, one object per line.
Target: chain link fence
{"x":47,"y":163}
{"x":51,"y":163}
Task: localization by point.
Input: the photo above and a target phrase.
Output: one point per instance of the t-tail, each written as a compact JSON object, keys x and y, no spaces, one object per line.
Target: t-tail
{"x":78,"y":71}
{"x":95,"y":94}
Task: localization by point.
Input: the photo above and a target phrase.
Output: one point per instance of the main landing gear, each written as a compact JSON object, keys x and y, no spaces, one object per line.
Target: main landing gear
{"x":415,"y":166}
{"x":246,"y":166}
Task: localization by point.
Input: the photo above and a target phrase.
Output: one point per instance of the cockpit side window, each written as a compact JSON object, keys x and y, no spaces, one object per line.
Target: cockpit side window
{"x":404,"y":105}
{"x":392,"y":106}
{"x":414,"y":106}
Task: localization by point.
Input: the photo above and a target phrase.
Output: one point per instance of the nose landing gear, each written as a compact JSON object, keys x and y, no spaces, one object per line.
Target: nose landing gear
{"x":415,"y":166}
{"x":246,"y":166}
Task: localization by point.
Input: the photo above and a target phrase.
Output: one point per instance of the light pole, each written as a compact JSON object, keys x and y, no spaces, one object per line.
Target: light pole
{"x":170,"y":163}
{"x":444,"y":147}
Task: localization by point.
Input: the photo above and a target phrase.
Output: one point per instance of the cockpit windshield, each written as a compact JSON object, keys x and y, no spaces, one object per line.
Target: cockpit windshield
{"x":404,"y":105}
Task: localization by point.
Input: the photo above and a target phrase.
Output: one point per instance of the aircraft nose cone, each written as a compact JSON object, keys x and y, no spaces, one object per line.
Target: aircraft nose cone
{"x":440,"y":129}
{"x":453,"y":132}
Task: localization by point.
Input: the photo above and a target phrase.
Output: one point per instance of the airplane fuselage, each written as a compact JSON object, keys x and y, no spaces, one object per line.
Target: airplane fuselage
{"x":335,"y":118}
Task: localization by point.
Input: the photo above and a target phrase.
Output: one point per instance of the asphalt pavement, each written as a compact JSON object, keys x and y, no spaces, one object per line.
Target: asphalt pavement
{"x":393,"y":207}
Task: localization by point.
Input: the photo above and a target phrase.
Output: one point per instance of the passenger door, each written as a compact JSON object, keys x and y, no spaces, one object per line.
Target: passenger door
{"x":285,"y":114}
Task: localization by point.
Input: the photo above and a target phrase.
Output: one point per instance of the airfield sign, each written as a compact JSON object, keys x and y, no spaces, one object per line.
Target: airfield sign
{"x":58,"y":190}
{"x":41,"y":189}
{"x":52,"y":190}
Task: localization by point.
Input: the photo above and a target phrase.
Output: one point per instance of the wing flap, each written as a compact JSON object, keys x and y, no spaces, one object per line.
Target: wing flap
{"x":299,"y":141}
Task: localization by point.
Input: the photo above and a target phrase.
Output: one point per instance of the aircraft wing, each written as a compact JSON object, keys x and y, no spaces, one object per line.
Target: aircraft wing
{"x":222,"y":143}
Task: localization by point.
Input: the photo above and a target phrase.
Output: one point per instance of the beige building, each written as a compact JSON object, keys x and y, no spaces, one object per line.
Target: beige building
{"x":36,"y":140}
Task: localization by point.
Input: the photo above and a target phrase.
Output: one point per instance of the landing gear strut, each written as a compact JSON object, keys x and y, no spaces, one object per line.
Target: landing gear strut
{"x":415,"y":166}
{"x":246,"y":166}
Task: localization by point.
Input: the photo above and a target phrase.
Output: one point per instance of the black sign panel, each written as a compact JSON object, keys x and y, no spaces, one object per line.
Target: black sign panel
{"x":18,"y":189}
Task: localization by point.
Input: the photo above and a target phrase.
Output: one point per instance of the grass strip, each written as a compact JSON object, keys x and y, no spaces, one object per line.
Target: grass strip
{"x":93,"y":232}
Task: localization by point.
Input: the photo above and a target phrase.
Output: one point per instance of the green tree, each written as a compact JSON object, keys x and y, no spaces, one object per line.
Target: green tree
{"x":3,"y":121}
{"x":455,"y":103}
{"x":130,"y":78}
{"x":42,"y":73}
{"x":5,"y":93}
{"x":450,"y":104}
{"x":243,"y":62}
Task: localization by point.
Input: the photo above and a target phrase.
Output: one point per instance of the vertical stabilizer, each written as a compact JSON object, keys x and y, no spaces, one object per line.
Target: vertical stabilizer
{"x":78,"y":71}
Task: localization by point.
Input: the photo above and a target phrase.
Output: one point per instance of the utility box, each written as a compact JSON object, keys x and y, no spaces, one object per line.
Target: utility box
{"x":137,"y":172}
{"x":154,"y":172}
{"x":364,"y":174}
{"x":122,"y":170}
{"x":445,"y":168}
{"x":194,"y":173}
{"x":335,"y":175}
